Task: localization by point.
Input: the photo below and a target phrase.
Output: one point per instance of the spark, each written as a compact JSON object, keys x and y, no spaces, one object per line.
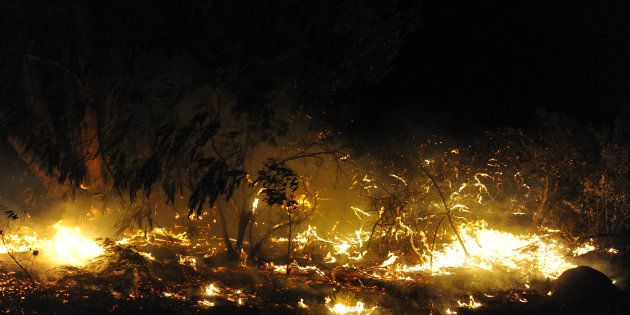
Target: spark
{"x":212,"y":290}
{"x":358,"y":211}
{"x":398,"y":178}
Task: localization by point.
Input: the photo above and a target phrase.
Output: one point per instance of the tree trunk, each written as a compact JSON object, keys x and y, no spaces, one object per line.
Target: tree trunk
{"x":224,"y":233}
{"x":34,"y":101}
{"x":91,"y":149}
{"x":258,"y":246}
{"x":243,"y":221}
{"x":539,"y":215}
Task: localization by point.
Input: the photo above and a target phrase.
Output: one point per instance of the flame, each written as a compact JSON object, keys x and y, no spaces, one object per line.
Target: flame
{"x":212,"y":290}
{"x":304,"y":202}
{"x":69,"y":247}
{"x":146,"y":255}
{"x":581,"y":250}
{"x":18,"y":243}
{"x":341,"y":308}
{"x":187,"y":260}
{"x":392,"y":258}
{"x":342,"y":248}
{"x":489,"y":249}
{"x":471,"y":303}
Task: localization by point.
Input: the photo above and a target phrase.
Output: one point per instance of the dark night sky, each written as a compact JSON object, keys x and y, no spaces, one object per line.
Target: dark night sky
{"x":494,"y":63}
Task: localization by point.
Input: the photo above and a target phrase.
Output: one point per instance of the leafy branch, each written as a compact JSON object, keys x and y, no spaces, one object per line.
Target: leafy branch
{"x":11,"y":216}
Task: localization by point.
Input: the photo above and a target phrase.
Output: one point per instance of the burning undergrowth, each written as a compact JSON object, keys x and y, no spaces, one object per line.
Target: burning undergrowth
{"x":166,"y":270}
{"x":445,"y":229}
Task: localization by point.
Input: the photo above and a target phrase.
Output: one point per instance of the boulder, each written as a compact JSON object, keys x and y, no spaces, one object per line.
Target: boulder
{"x":584,"y":290}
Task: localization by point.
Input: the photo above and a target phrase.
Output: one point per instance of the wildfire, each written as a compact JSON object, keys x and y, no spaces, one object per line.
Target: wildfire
{"x":67,"y":247}
{"x":532,"y":254}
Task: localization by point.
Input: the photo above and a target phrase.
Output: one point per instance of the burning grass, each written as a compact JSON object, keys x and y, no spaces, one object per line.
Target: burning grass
{"x":167,"y":271}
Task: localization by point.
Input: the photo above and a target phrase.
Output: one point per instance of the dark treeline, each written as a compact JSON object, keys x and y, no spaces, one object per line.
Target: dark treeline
{"x":82,"y":83}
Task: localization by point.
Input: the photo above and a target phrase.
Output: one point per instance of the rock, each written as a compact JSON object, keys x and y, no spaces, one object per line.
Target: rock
{"x":584,"y":290}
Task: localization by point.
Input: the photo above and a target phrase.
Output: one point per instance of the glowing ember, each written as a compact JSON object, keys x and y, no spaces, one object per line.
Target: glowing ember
{"x":205,"y":303}
{"x":148,"y":256}
{"x":187,"y":260}
{"x":212,"y":290}
{"x":301,"y":304}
